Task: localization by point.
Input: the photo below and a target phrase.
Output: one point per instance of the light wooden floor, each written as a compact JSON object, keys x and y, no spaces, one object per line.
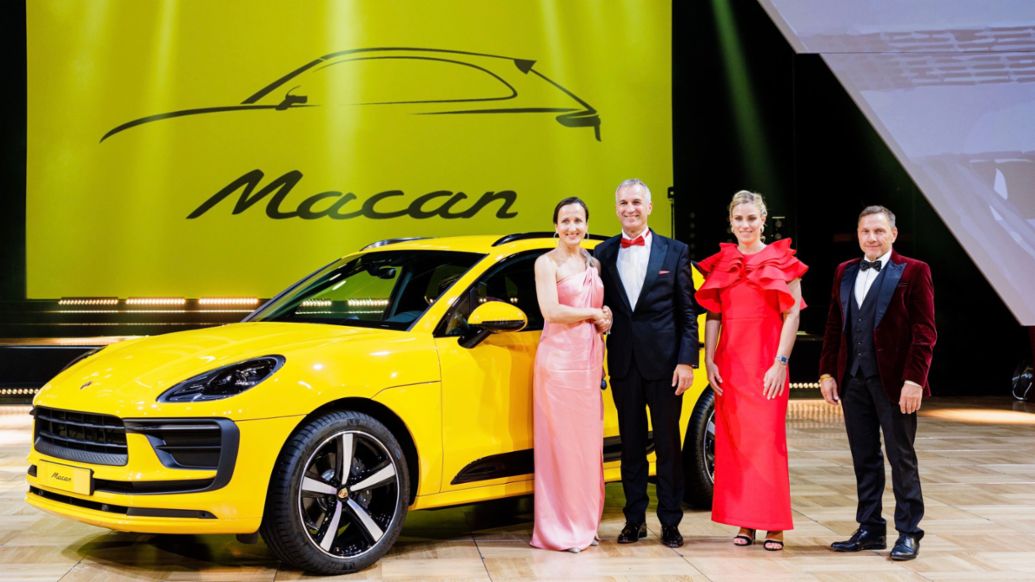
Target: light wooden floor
{"x":977,"y":461}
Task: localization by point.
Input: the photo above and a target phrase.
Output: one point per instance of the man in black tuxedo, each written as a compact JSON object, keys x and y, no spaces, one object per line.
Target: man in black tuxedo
{"x":651,"y":353}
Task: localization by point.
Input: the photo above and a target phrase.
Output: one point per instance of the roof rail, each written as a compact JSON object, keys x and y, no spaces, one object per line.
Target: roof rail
{"x":391,"y":241}
{"x":543,"y":234}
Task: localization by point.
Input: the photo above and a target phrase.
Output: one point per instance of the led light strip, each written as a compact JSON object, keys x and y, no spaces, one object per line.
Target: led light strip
{"x":18,"y":391}
{"x":367,"y":303}
{"x":221,"y":301}
{"x":150,"y":301}
{"x":88,"y":301}
{"x":317,"y":303}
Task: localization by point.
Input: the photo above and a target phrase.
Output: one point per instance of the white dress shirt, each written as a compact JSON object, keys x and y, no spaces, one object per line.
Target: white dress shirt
{"x":864,"y":280}
{"x":632,"y":266}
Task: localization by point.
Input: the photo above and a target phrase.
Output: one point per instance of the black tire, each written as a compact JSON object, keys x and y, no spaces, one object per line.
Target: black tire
{"x":699,"y":453}
{"x":309,"y":498}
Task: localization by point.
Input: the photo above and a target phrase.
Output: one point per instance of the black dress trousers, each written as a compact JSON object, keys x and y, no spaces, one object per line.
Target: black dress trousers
{"x":868,"y":412}
{"x":633,"y":395}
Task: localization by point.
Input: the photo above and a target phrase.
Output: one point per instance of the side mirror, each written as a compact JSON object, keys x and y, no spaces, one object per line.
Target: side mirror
{"x":492,"y":317}
{"x":291,"y":100}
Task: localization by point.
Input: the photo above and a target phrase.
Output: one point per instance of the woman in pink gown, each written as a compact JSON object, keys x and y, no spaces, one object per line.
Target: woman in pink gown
{"x":567,"y":403}
{"x":752,"y":292}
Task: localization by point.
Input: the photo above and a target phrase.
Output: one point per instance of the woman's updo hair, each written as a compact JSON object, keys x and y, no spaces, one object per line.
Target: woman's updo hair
{"x":567,"y":201}
{"x":746,"y":197}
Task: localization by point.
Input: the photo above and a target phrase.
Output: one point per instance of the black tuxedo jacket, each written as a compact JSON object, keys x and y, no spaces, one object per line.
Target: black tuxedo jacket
{"x":662,"y":331}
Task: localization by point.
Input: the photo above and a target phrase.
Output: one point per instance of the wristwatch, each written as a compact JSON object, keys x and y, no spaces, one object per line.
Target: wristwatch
{"x":782,"y":359}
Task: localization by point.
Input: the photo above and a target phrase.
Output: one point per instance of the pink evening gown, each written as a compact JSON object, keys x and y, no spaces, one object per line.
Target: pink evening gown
{"x":568,"y":418}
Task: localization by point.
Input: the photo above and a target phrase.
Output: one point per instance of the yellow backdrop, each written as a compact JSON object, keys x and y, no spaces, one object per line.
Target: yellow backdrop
{"x":227,"y":148}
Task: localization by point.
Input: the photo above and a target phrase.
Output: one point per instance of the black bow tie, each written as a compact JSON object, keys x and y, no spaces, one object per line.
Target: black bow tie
{"x":875,"y":265}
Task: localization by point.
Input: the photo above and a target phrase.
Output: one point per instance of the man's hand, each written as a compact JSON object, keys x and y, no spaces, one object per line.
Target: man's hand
{"x":682,"y":378}
{"x":828,"y":388}
{"x":912,"y":394}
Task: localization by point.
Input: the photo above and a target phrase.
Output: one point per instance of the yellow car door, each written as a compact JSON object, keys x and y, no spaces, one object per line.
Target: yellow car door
{"x":487,"y":389}
{"x":487,"y":410}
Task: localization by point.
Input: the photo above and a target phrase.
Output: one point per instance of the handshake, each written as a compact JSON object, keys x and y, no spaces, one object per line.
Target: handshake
{"x":603,"y":319}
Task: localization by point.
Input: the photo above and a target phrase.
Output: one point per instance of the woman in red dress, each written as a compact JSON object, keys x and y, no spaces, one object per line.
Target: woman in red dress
{"x":752,"y":292}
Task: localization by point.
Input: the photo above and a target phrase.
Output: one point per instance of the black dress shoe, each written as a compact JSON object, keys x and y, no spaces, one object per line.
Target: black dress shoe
{"x":906,"y":547}
{"x":670,"y":536}
{"x":863,"y":539}
{"x":632,"y":532}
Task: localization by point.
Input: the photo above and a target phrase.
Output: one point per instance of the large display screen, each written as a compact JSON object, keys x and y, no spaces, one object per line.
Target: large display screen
{"x":950,"y":87}
{"x":228,"y":148}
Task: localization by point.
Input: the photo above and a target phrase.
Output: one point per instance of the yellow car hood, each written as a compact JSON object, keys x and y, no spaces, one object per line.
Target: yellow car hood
{"x":125,"y":379}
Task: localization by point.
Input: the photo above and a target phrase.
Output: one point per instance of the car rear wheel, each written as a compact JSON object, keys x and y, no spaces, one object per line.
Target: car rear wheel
{"x":338,"y":495}
{"x":699,"y":453}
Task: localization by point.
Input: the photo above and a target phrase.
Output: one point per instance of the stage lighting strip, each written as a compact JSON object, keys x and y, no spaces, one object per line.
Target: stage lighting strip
{"x":367,"y":302}
{"x":229,"y":301}
{"x":804,"y":385}
{"x":89,"y":301}
{"x":315,"y":307}
{"x":18,"y":391}
{"x":91,"y":305}
{"x":157,"y":301}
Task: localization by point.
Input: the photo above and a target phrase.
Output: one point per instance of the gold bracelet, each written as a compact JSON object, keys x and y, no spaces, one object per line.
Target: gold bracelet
{"x":825,"y":377}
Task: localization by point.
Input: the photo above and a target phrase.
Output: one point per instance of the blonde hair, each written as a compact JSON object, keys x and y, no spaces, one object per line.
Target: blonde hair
{"x":747,"y":197}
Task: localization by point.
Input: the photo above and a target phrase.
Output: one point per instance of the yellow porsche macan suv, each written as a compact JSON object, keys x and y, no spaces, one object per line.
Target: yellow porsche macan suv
{"x":396,"y":378}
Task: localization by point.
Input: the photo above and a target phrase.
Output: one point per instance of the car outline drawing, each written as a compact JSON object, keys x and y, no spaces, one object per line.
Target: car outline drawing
{"x":279,"y":95}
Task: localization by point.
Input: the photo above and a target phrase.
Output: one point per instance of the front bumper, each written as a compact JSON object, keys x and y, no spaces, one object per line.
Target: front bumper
{"x":146,"y":495}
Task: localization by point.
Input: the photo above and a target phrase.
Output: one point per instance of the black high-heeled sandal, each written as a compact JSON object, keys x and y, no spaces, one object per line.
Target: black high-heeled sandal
{"x":748,"y":539}
{"x":771,"y":545}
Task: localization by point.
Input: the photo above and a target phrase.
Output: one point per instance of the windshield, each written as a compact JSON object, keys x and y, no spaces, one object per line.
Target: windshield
{"x":387,"y":289}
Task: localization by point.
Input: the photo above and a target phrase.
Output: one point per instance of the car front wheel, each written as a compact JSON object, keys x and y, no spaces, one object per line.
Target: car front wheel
{"x":338,"y":495}
{"x":699,"y":453}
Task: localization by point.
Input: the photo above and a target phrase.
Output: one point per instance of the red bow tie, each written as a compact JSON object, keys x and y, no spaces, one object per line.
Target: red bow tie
{"x":636,"y":242}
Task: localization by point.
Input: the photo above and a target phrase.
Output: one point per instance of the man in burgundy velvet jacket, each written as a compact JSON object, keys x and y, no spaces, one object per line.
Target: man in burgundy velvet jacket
{"x":877,"y":349}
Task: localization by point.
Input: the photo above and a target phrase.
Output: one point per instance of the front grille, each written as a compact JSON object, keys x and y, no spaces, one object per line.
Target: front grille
{"x":80,"y":436}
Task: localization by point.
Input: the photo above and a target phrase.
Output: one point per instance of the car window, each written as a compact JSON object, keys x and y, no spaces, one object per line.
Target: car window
{"x":391,"y":79}
{"x":389,"y":289}
{"x":512,"y":281}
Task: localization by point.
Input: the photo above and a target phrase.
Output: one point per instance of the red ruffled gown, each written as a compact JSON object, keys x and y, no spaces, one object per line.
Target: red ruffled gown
{"x":568,"y":419}
{"x":752,"y":486}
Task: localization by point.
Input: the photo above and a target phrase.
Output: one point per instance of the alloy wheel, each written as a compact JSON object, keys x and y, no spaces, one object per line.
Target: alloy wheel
{"x":349,"y":494}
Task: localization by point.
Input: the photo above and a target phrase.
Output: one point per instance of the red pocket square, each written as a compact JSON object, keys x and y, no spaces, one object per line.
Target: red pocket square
{"x":663,"y":272}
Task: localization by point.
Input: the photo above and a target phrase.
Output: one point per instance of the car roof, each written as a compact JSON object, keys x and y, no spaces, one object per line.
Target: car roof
{"x":486,"y":244}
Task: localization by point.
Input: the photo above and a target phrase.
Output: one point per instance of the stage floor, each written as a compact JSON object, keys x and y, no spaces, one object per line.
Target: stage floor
{"x":977,"y":462}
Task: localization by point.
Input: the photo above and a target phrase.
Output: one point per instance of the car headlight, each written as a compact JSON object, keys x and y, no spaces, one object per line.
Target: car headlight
{"x":223,"y":382}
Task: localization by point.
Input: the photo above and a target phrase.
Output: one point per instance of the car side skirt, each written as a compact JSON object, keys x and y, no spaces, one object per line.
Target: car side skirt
{"x":522,"y":462}
{"x":523,"y":485}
